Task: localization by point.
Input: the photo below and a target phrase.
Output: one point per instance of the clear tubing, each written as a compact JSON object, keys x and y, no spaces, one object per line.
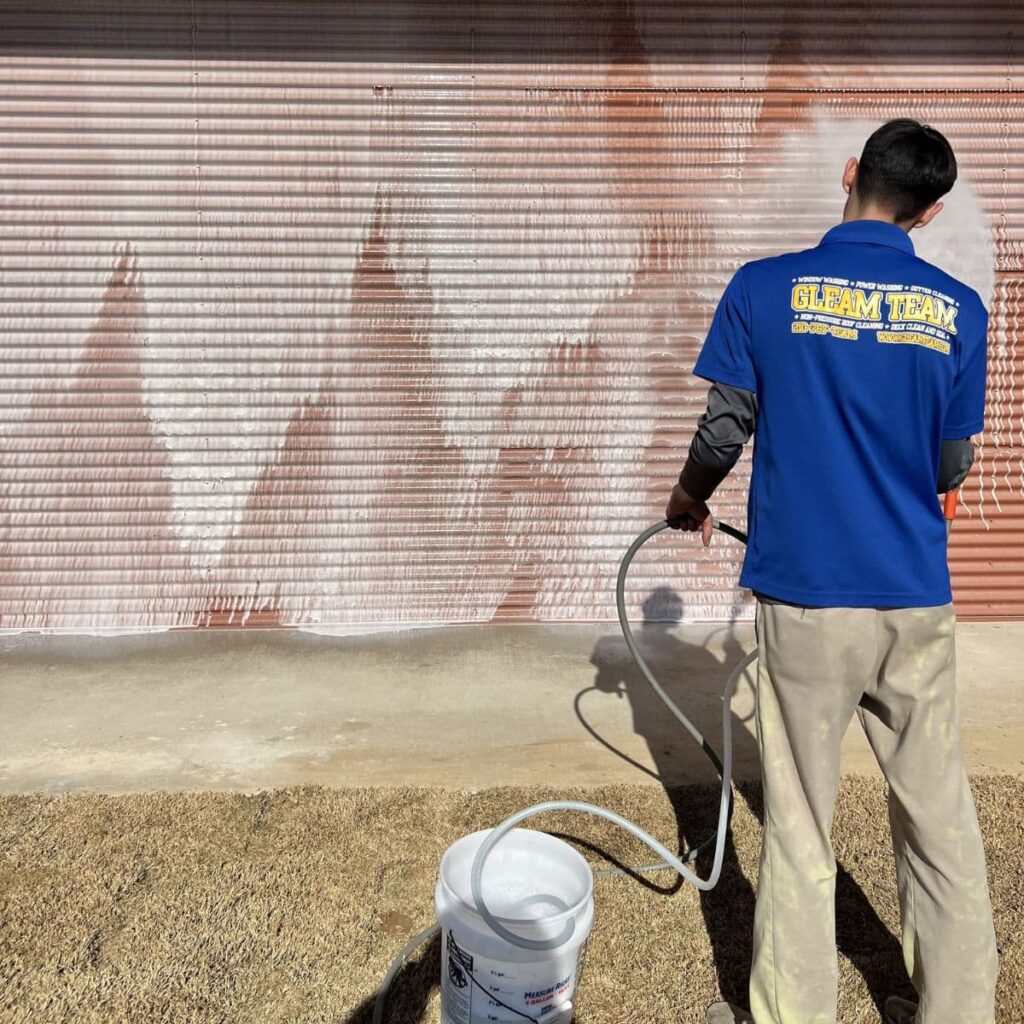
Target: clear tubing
{"x":669,"y":860}
{"x":723,"y":767}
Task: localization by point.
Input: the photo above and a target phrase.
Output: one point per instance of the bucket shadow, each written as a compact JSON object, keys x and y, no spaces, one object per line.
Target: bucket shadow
{"x":410,"y":991}
{"x":694,"y":678}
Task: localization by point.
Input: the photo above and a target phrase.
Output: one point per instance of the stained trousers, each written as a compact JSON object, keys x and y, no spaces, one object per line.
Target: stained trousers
{"x":895,"y":669}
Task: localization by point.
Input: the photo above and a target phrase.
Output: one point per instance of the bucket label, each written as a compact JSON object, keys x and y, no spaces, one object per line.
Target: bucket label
{"x":478,"y":990}
{"x":544,"y":999}
{"x":457,"y":992}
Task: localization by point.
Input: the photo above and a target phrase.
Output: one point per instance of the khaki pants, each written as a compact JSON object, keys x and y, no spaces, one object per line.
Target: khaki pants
{"x":895,"y":669}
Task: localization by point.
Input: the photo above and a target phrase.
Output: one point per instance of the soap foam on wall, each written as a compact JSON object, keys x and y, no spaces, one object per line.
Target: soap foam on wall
{"x":415,"y":343}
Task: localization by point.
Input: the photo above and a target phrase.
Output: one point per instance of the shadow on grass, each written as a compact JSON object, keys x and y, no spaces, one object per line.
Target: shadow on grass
{"x":695,"y":678}
{"x":410,"y":991}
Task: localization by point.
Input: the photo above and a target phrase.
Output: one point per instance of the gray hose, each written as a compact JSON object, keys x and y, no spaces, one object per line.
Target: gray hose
{"x":723,"y":767}
{"x":669,"y":860}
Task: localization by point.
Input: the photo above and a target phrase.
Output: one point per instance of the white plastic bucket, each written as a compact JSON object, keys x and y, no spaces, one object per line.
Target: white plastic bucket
{"x":485,"y":978}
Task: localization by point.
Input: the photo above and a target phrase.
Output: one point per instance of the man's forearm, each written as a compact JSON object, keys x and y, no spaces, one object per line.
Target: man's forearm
{"x":722,"y":431}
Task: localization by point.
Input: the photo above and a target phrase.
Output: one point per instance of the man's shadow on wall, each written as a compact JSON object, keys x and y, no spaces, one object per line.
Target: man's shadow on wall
{"x":694,"y":678}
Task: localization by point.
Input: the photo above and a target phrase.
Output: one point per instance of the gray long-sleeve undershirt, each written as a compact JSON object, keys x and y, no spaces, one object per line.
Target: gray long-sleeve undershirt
{"x":728,"y":423}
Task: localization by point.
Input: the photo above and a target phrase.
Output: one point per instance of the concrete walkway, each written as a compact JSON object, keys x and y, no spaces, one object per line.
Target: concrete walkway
{"x":471,"y":706}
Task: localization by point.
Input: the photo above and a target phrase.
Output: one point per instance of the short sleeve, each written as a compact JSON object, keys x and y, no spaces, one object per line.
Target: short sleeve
{"x":965,"y":413}
{"x":727,"y":354}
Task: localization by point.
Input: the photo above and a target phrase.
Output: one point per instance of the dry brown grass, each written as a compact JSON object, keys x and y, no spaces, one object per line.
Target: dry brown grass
{"x":288,"y":906}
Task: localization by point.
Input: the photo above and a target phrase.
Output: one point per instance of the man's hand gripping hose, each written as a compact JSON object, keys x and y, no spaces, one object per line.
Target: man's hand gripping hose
{"x":669,"y":860}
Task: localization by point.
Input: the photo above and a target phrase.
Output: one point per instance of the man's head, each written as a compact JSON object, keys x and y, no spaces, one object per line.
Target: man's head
{"x":906,"y":167}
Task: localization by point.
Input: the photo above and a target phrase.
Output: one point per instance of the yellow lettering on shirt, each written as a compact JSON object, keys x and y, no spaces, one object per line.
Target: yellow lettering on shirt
{"x":913,"y":338}
{"x":912,"y":307}
{"x":840,"y":301}
{"x":856,"y":304}
{"x":845,"y":309}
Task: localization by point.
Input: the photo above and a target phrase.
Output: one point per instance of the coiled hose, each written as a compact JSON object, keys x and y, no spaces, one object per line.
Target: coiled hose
{"x":723,"y":767}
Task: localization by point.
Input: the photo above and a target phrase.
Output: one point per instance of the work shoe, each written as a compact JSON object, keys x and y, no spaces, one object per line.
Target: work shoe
{"x":726,"y":1013}
{"x":900,"y":1011}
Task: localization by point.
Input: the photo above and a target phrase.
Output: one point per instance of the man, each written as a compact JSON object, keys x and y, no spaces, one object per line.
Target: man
{"x":863,"y":368}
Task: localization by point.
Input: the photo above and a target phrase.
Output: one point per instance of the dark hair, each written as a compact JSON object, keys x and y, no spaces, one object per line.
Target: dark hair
{"x":905,"y":167}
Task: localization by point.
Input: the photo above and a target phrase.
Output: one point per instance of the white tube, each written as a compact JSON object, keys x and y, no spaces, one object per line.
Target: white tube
{"x":669,"y":859}
{"x":704,"y":884}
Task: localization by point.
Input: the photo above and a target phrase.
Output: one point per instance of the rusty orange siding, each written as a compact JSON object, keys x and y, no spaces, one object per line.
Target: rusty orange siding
{"x":352,"y":313}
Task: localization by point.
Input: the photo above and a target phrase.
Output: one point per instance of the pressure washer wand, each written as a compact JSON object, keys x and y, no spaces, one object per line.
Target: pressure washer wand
{"x":730,"y":530}
{"x":949,"y":506}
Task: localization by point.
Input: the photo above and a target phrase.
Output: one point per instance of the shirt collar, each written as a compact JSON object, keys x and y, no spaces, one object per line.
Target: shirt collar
{"x":870,"y":232}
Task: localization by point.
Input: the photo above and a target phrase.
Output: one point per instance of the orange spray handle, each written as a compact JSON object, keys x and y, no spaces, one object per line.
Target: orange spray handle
{"x":949,"y":504}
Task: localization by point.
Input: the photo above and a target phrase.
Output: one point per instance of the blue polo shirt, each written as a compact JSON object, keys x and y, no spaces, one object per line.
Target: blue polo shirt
{"x":863,"y":358}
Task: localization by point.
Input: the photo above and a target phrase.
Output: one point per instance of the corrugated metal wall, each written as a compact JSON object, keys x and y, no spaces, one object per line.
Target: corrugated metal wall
{"x":376,"y":313}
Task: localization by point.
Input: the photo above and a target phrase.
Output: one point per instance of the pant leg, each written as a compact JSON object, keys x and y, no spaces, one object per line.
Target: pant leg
{"x":911,"y":719}
{"x":813,"y":666}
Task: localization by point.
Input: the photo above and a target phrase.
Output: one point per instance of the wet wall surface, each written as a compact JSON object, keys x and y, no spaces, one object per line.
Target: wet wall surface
{"x":385,"y":313}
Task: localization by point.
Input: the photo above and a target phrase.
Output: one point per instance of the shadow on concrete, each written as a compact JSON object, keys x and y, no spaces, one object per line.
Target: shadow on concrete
{"x":694,"y":678}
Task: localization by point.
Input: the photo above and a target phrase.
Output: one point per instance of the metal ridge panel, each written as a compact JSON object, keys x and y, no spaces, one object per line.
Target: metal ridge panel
{"x":305,"y":341}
